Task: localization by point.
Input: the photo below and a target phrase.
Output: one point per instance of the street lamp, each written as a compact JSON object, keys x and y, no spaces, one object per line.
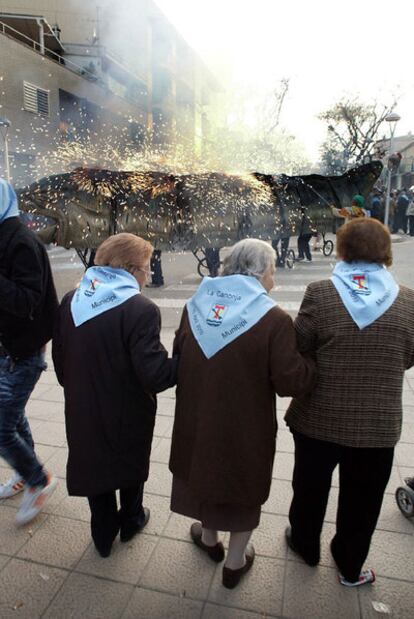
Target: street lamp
{"x":392,"y":118}
{"x":4,"y":127}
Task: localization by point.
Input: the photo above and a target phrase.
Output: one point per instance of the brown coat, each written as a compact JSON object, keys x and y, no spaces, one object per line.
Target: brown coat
{"x":225,"y":425}
{"x":357,"y":400}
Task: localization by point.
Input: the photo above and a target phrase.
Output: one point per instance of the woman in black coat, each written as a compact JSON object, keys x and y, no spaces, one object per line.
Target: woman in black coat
{"x":111,"y":363}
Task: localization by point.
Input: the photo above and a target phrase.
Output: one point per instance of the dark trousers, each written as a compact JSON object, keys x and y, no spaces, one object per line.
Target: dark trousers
{"x":303,"y":246}
{"x":17,"y":381}
{"x":284,"y":246}
{"x":213,"y":260}
{"x":411,"y":223}
{"x":363,"y":477}
{"x":156,"y":268}
{"x":106,"y":520}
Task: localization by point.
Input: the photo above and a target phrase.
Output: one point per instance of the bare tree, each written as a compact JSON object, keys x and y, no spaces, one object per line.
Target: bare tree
{"x":352,"y":130}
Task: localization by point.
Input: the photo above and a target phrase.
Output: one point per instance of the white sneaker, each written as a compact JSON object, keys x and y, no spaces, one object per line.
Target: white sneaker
{"x":12,"y":487}
{"x":365,"y":577}
{"x":34,"y":500}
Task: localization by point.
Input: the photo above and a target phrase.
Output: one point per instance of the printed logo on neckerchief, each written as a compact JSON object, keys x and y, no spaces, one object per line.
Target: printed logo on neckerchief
{"x":360,"y":283}
{"x":216,"y":314}
{"x":94,"y":285}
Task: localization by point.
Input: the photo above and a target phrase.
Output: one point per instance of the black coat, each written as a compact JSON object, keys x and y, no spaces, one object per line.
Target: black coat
{"x":110,"y":368}
{"x":28,"y":301}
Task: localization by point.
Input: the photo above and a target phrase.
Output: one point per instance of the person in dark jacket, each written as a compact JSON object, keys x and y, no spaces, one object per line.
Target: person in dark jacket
{"x":306,"y":232}
{"x":28,"y":305}
{"x":111,"y":363}
{"x":359,"y":325}
{"x":237,"y":350}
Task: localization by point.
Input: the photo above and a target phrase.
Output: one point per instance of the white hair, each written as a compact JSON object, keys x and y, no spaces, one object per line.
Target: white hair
{"x":249,"y":257}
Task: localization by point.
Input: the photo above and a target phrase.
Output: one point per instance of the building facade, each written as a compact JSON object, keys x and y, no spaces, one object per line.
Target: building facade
{"x":72,"y":73}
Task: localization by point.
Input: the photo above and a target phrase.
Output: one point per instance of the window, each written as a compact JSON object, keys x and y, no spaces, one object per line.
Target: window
{"x":35,"y":99}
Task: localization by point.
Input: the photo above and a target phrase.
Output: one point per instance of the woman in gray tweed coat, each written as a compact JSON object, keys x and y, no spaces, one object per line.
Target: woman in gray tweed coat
{"x":359,"y":325}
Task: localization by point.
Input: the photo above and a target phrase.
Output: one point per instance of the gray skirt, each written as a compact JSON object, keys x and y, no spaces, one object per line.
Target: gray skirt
{"x":218,"y":517}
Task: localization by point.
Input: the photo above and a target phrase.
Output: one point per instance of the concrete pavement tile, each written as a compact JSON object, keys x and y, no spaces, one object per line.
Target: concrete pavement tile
{"x":44,"y":452}
{"x":178,"y":527}
{"x":394,"y":481}
{"x":316,"y":592}
{"x":396,"y":594}
{"x":330,"y":515}
{"x":26,"y":589}
{"x":156,"y":605}
{"x":53,"y":394}
{"x":407,"y":434}
{"x":161,"y":453}
{"x":87,"y":597}
{"x":391,"y":518}
{"x":48,"y":377}
{"x":179,"y":567}
{"x":162,"y":425}
{"x":159,"y":480}
{"x":3,"y":561}
{"x":405,"y":471}
{"x":269,"y":537}
{"x":168,"y":393}
{"x":283,"y":466}
{"x":214,"y":611}
{"x":49,"y":433}
{"x":284,"y":442}
{"x":408,"y":397}
{"x":279,"y":499}
{"x":57,"y":462}
{"x":259,"y":591}
{"x":46,"y":411}
{"x":282,"y":404}
{"x":12,"y":538}
{"x":39,"y":390}
{"x":126,"y":562}
{"x":75,"y":507}
{"x":60,"y":542}
{"x":408,"y":414}
{"x":391,"y":555}
{"x":166,"y":407}
{"x":160,"y":513}
{"x":405,"y":454}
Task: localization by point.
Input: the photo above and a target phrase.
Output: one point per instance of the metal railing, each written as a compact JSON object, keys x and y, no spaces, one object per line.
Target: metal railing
{"x":54,"y":56}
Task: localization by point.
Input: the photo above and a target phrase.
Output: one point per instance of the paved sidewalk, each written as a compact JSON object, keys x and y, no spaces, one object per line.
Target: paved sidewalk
{"x":50,"y":568}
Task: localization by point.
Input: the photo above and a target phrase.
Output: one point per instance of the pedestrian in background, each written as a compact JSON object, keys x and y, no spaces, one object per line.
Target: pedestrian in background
{"x":306,"y":231}
{"x":359,"y":326}
{"x":157,"y":278}
{"x":109,"y":359}
{"x":237,"y":349}
{"x":28,"y":306}
{"x":410,"y":215}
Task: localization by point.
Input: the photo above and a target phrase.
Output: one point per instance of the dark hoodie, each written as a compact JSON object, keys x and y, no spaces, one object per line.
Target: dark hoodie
{"x":28,"y":301}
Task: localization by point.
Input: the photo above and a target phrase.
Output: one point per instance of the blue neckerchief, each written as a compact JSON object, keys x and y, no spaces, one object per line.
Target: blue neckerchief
{"x":367,"y":290}
{"x":223,"y":308}
{"x":101,"y":289}
{"x":8,"y":201}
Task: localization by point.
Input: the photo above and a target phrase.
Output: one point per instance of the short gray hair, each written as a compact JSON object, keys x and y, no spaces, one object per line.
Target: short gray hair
{"x":249,"y":257}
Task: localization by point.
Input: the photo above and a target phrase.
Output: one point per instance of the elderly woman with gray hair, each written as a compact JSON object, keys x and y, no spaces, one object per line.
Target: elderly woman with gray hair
{"x":237,"y":348}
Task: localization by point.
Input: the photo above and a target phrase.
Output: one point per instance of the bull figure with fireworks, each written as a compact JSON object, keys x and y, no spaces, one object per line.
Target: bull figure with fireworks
{"x":186,"y":211}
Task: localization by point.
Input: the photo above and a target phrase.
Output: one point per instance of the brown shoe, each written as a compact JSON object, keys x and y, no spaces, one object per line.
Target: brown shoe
{"x":214,"y":552}
{"x":231,"y":578}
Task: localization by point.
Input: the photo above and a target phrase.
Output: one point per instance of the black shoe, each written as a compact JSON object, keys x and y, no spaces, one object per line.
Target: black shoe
{"x":231,"y":578}
{"x":128,"y":532}
{"x":288,"y":538}
{"x":215,"y":552}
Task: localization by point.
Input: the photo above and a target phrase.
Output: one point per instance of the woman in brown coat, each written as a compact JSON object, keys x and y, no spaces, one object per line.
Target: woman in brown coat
{"x":360,"y":327}
{"x":237,"y":348}
{"x":111,"y":363}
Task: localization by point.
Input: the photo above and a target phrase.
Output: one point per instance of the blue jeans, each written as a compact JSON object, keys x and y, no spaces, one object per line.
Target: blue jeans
{"x":17,"y":381}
